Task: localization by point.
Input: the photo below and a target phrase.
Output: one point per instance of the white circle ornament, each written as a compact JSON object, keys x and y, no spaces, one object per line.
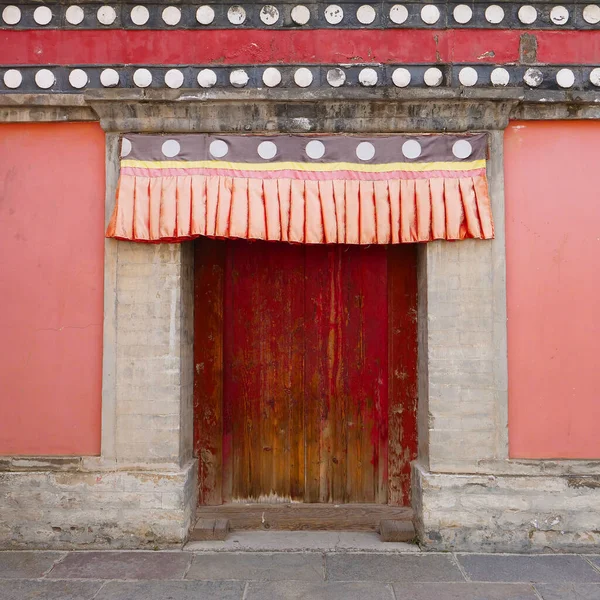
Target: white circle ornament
{"x":527,"y":14}
{"x":398,"y":14}
{"x":462,"y":13}
{"x":171,"y":148}
{"x":595,"y":77}
{"x":591,"y":14}
{"x":74,"y":15}
{"x":205,"y":15}
{"x":239,"y":78}
{"x":236,"y":15}
{"x":78,"y":78}
{"x":303,"y":77}
{"x":336,"y":77}
{"x":499,"y":76}
{"x":174,"y":78}
{"x":315,"y":149}
{"x":42,"y":15}
{"x":218,"y":148}
{"x":125,"y":147}
{"x":139,"y":15}
{"x":300,"y":14}
{"x":45,"y":79}
{"x":559,"y":15}
{"x":366,"y":14}
{"x":142,"y":78}
{"x":467,"y":76}
{"x":11,"y":15}
{"x":368,"y":77}
{"x":433,"y":77}
{"x":13,"y":79}
{"x":109,"y":78}
{"x":267,"y":150}
{"x":365,"y":151}
{"x":334,"y":14}
{"x":565,"y":78}
{"x":106,"y":15}
{"x":462,"y":149}
{"x":269,"y":14}
{"x":207,"y":78}
{"x":171,"y":15}
{"x":494,"y":14}
{"x":430,"y":14}
{"x":271,"y":77}
{"x":533,"y":77}
{"x":401,"y":77}
{"x":411,"y":149}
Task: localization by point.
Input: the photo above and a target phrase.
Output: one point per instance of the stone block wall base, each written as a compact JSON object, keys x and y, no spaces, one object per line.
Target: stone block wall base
{"x":109,"y":509}
{"x":506,"y":513}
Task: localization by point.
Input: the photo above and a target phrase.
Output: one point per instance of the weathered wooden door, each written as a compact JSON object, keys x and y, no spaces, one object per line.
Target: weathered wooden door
{"x":305,"y":372}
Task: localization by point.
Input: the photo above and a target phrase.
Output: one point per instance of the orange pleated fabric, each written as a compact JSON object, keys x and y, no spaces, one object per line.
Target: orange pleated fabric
{"x":178,"y":207}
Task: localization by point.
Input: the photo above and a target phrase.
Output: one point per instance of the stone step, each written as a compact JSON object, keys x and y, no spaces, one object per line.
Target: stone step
{"x":396,"y":531}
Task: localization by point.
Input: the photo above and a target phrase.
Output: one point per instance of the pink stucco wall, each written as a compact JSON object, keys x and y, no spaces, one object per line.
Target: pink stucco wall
{"x":51,"y":282}
{"x":553,"y":285}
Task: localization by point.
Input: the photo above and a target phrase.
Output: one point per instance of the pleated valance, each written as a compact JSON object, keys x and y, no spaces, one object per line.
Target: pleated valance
{"x":303,"y":189}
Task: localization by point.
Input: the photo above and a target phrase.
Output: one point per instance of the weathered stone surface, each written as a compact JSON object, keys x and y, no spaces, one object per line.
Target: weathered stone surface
{"x":14,"y":565}
{"x":569,"y":591}
{"x":293,"y":590}
{"x":257,"y":566}
{"x":463,"y":591}
{"x":49,"y":590}
{"x":172,"y":590}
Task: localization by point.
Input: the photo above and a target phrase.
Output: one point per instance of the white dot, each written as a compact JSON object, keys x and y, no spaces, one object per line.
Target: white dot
{"x":430,"y":14}
{"x":238,"y":78}
{"x":565,"y":78}
{"x":366,"y":14}
{"x":174,"y":78}
{"x":499,"y":76}
{"x":106,"y":15}
{"x":142,"y":78}
{"x":269,"y":14}
{"x":300,"y":15}
{"x":171,"y":15}
{"x":74,"y":15}
{"x":42,"y":15}
{"x":468,"y":76}
{"x":462,"y":13}
{"x":13,"y":79}
{"x":78,"y":78}
{"x":139,"y":15}
{"x":494,"y":14}
{"x":462,"y":149}
{"x":236,"y":15}
{"x":11,"y":15}
{"x":398,"y":14}
{"x":218,"y":148}
{"x":205,"y":15}
{"x":559,"y":15}
{"x":433,"y":77}
{"x":44,"y":79}
{"x":271,"y":77}
{"x":411,"y":149}
{"x":125,"y":147}
{"x":365,"y":151}
{"x":595,"y":77}
{"x":527,"y":14}
{"x":334,"y":14}
{"x":315,"y":149}
{"x":171,"y":148}
{"x":109,"y":78}
{"x":207,"y":78}
{"x":368,"y":77}
{"x":267,"y":150}
{"x":336,"y":77}
{"x":591,"y":14}
{"x":303,"y":77}
{"x":401,"y":77}
{"x":533,"y":77}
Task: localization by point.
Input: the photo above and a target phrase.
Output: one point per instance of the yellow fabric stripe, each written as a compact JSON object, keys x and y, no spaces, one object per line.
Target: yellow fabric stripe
{"x":301,"y":166}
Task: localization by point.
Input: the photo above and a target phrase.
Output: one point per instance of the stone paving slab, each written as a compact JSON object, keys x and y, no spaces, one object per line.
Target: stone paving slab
{"x":387,"y":567}
{"x":257,"y":566}
{"x":48,"y":590}
{"x":172,"y":590}
{"x":569,"y":591}
{"x":26,"y":565}
{"x":297,"y":590}
{"x":122,"y":565}
{"x":464,"y":591}
{"x":534,"y":569}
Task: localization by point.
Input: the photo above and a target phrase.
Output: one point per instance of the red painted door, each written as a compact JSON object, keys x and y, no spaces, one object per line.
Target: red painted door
{"x":305,"y":386}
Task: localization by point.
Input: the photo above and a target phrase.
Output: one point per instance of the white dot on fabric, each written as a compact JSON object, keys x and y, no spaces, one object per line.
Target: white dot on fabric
{"x":238,"y":78}
{"x":368,"y":77}
{"x":467,"y":76}
{"x":174,"y":78}
{"x":533,"y":77}
{"x":218,"y":148}
{"x":171,"y":148}
{"x":74,"y":15}
{"x":591,"y":14}
{"x":109,"y":78}
{"x":13,"y":79}
{"x":336,"y":77}
{"x":236,"y":15}
{"x":44,"y":79}
{"x":334,"y":14}
{"x":271,"y":77}
{"x":499,"y":76}
{"x":559,"y":15}
{"x":315,"y":149}
{"x":462,"y":149}
{"x":205,"y":15}
{"x":398,"y":14}
{"x":142,"y":78}
{"x":565,"y":78}
{"x":42,"y":15}
{"x":595,"y":77}
{"x":433,"y":77}
{"x":207,"y":78}
{"x":401,"y":77}
{"x":494,"y":14}
{"x":365,"y":151}
{"x":106,"y":15}
{"x":139,"y":15}
{"x":125,"y":147}
{"x":300,"y":15}
{"x":527,"y":14}
{"x":171,"y":15}
{"x":269,"y":14}
{"x":430,"y":14}
{"x":267,"y":150}
{"x":303,"y":77}
{"x":366,"y":14}
{"x":78,"y":78}
{"x":411,"y":149}
{"x":462,"y":13}
{"x":11,"y":15}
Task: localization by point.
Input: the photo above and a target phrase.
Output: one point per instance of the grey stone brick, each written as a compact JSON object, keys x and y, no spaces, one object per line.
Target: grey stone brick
{"x":48,"y":590}
{"x":569,"y":591}
{"x":297,"y":590}
{"x":26,"y":564}
{"x":172,"y":590}
{"x":463,"y":591}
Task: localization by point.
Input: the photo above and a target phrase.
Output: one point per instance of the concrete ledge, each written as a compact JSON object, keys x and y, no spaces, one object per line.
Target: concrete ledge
{"x":506,"y":513}
{"x":97,"y":509}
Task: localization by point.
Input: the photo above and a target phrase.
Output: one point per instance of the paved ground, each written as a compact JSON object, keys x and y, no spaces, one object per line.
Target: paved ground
{"x":331,"y":575}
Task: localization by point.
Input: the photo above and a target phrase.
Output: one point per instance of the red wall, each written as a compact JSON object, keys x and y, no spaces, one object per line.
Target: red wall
{"x":51,"y":288}
{"x":553,"y":281}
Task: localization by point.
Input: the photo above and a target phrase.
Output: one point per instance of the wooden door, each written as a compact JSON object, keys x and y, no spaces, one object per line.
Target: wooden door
{"x":305,"y":372}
